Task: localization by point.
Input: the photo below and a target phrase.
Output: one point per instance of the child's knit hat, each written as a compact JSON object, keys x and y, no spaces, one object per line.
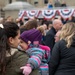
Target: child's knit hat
{"x":31,"y":35}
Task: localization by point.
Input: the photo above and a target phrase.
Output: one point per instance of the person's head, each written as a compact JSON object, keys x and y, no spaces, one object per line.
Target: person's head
{"x":68,"y":33}
{"x":50,"y":26}
{"x":57,"y":36}
{"x":57,"y":24}
{"x":9,"y":19}
{"x":3,"y":42}
{"x":13,"y":33}
{"x":29,"y":37}
{"x":41,"y":29}
{"x":29,"y":25}
{"x":45,"y":26}
{"x":33,"y":18}
{"x":1,"y":20}
{"x":17,"y":20}
{"x":63,"y":2}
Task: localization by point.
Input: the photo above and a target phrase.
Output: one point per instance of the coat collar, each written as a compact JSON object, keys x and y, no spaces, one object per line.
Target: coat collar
{"x":12,"y":51}
{"x":53,"y":29}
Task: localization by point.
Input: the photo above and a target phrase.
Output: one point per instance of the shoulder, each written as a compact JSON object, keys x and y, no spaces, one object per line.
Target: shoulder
{"x":33,"y":50}
{"x":38,"y":50}
{"x":19,"y":58}
{"x":51,"y":32}
{"x":19,"y":55}
{"x":14,"y":62}
{"x":60,"y":44}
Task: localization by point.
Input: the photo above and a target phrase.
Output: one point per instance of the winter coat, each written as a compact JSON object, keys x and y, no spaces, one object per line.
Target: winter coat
{"x":62,"y":61}
{"x":16,"y":60}
{"x":38,"y":59}
{"x":50,"y":41}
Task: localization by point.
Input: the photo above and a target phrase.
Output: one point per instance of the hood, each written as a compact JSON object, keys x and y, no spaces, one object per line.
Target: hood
{"x":44,"y":47}
{"x":13,"y":50}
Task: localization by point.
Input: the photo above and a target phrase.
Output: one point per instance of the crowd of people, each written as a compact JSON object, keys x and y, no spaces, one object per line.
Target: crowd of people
{"x":37,"y":47}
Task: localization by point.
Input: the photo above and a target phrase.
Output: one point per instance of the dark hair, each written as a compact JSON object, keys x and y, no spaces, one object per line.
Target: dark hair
{"x":11,"y":29}
{"x":3,"y":42}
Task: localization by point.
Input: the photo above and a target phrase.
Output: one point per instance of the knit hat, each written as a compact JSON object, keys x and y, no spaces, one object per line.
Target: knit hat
{"x":31,"y":35}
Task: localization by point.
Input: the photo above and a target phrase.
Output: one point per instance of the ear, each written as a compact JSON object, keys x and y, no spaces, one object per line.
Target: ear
{"x":11,"y":40}
{"x":29,"y":42}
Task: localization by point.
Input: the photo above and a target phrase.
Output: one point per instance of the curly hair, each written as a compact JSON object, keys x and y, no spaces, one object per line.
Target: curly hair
{"x":68,"y":33}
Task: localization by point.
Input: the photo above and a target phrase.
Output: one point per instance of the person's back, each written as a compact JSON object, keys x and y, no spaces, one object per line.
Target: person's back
{"x":63,"y":54}
{"x":67,"y":62}
{"x":50,"y":41}
{"x":66,"y":59}
{"x":50,"y":38}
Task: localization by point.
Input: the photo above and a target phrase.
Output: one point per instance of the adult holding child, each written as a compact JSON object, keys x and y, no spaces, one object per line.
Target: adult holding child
{"x":11,"y":59}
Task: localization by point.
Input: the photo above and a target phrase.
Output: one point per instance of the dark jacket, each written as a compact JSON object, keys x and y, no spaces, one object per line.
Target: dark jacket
{"x":50,"y":41}
{"x":62,"y":61}
{"x":16,"y":60}
{"x":63,"y":5}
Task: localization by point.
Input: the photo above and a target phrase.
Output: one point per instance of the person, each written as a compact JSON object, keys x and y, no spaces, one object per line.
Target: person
{"x":62,"y":60}
{"x":39,"y":54}
{"x":63,"y":4}
{"x":57,"y":36}
{"x":42,"y":29}
{"x":3,"y":39}
{"x":49,"y":5}
{"x":1,"y":20}
{"x":30,"y":24}
{"x":11,"y":59}
{"x":49,"y":39}
{"x":57,"y":3}
{"x":9,"y":19}
{"x":71,"y":19}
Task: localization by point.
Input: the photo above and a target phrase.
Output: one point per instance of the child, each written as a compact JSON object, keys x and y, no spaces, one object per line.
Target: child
{"x":38,"y":53}
{"x":11,"y":59}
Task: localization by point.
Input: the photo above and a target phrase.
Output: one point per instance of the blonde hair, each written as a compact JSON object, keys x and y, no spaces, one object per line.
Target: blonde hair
{"x":67,"y":33}
{"x":41,"y":29}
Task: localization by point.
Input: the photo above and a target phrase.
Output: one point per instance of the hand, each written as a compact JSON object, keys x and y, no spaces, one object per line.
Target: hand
{"x":26,"y":70}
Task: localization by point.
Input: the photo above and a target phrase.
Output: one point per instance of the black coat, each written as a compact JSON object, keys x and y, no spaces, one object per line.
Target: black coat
{"x":49,"y":39}
{"x":62,"y":60}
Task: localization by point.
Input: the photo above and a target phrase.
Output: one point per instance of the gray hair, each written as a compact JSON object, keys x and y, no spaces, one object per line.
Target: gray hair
{"x":56,"y":21}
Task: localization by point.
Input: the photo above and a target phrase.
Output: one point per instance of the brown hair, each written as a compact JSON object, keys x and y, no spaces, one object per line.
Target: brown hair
{"x":29,"y":25}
